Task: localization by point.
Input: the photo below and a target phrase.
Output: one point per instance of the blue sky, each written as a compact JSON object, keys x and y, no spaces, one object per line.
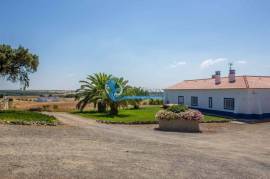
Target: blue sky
{"x":152,"y":43}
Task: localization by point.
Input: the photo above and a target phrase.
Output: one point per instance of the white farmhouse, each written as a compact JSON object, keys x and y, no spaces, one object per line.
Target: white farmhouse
{"x":238,"y":96}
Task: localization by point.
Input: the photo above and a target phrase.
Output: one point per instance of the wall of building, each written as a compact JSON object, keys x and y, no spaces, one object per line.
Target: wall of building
{"x":246,"y":101}
{"x":259,"y":101}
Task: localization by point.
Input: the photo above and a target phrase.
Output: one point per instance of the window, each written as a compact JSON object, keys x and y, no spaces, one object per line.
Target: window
{"x":194,"y":101}
{"x":210,"y":102}
{"x":181,"y":100}
{"x":229,"y":103}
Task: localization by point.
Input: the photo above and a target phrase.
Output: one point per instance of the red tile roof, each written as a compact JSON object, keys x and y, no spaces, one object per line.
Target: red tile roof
{"x":241,"y":82}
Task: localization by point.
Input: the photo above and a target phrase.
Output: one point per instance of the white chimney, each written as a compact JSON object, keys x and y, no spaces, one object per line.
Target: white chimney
{"x":232,"y":76}
{"x":217,"y":78}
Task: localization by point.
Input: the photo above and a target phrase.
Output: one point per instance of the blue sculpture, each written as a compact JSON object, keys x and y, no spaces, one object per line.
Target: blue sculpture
{"x":115,"y":90}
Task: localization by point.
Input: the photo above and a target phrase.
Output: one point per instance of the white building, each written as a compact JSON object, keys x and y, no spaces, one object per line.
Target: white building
{"x":238,"y":96}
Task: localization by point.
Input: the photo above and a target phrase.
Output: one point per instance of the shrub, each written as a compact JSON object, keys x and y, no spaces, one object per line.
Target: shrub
{"x":159,"y":101}
{"x":155,"y":102}
{"x":55,"y":107}
{"x":45,"y":107}
{"x":145,"y":102}
{"x":190,"y":114}
{"x":177,"y":108}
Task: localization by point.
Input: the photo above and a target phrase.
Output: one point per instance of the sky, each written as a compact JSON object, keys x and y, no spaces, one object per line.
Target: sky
{"x":151,"y":43}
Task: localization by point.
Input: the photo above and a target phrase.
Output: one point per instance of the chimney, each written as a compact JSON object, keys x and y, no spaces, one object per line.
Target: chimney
{"x":232,"y":76}
{"x":217,"y":78}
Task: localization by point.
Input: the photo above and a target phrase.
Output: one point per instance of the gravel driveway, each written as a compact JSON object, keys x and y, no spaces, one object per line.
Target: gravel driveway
{"x":85,"y":149}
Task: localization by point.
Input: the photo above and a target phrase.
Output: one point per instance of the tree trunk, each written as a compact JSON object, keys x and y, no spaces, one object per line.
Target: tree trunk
{"x":114,"y":108}
{"x":101,"y":107}
{"x":136,"y":106}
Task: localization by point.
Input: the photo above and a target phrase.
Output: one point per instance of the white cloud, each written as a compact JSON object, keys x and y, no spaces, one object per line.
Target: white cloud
{"x":176,"y":64}
{"x":210,"y":62}
{"x":241,"y":62}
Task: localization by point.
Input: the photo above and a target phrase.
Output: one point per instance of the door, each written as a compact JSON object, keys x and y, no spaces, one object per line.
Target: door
{"x":181,"y":100}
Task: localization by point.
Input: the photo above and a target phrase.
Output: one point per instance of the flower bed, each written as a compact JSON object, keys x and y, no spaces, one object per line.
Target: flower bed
{"x":186,"y":120}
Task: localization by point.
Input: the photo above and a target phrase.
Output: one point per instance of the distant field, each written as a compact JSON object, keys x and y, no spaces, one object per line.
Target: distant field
{"x":35,"y":92}
{"x":27,"y":103}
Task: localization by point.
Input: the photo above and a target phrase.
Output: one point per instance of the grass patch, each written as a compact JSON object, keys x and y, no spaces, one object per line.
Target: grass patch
{"x":213,"y":118}
{"x":26,"y":118}
{"x":144,"y":115}
{"x":126,"y":116}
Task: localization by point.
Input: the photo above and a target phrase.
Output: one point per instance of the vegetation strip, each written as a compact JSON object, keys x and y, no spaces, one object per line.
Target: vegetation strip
{"x":26,"y":118}
{"x":130,"y":123}
{"x":144,"y":115}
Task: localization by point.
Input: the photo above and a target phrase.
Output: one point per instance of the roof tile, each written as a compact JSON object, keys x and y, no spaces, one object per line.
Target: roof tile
{"x":241,"y":82}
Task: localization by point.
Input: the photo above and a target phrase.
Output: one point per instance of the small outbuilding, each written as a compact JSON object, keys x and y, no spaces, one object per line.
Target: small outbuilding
{"x":237,"y":96}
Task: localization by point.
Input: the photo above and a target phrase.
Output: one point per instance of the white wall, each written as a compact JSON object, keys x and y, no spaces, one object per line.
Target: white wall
{"x":259,"y":101}
{"x":246,"y":101}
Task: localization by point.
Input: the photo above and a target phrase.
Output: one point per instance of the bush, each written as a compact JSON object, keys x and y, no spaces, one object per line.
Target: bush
{"x":190,"y":114}
{"x":177,"y":108}
{"x":45,"y":107}
{"x":155,"y":102}
{"x":55,"y":107}
{"x":145,"y":102}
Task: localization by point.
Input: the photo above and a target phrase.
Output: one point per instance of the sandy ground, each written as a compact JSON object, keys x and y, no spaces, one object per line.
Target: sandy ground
{"x":85,"y":149}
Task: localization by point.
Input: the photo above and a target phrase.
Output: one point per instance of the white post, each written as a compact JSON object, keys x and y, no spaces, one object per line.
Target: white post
{"x":6,"y":100}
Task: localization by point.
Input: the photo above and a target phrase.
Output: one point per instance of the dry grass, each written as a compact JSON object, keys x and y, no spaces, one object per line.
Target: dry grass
{"x":63,"y":105}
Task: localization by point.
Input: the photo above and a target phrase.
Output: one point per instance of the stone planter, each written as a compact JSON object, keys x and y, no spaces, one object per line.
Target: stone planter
{"x":179,"y":125}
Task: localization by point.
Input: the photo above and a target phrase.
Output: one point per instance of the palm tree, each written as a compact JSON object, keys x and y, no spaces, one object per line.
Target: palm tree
{"x":93,"y":90}
{"x":114,"y":105}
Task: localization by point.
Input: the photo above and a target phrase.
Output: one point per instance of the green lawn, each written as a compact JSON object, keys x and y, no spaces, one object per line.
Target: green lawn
{"x":213,"y":118}
{"x":26,"y":117}
{"x":143,"y":115}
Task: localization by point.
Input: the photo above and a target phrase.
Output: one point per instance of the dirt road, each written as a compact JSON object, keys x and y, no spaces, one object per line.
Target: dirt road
{"x":85,"y":149}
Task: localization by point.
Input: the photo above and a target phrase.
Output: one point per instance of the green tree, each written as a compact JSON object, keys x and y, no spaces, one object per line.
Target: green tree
{"x":93,"y":90}
{"x":136,"y":91}
{"x":16,"y":64}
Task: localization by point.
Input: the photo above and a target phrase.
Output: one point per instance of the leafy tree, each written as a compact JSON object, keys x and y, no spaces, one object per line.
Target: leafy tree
{"x":16,"y":64}
{"x":93,"y":90}
{"x":136,"y":91}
